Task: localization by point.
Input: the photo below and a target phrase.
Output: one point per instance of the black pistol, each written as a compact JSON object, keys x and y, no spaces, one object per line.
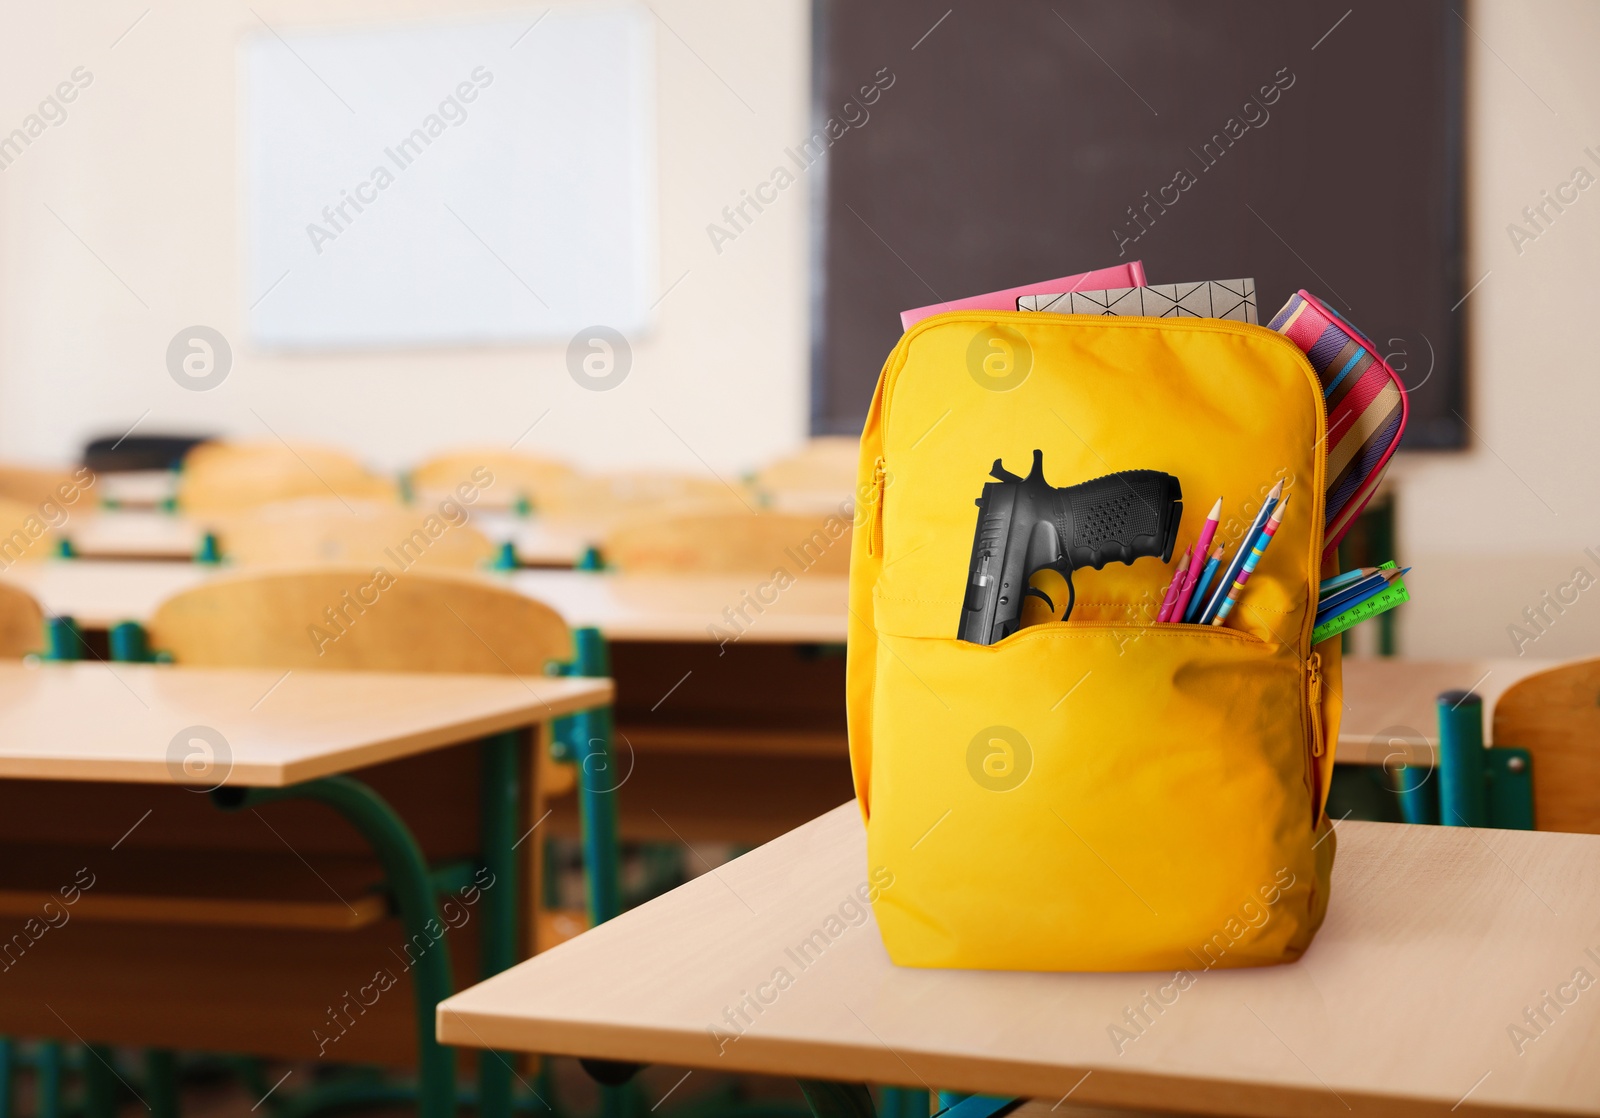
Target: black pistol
{"x":1025,"y":525}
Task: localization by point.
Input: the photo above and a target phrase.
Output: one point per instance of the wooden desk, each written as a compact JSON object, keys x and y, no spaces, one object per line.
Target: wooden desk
{"x":1390,"y":705}
{"x":384,"y":807}
{"x":623,"y":607}
{"x":140,"y":530}
{"x":136,"y":489}
{"x":103,"y":722}
{"x":1437,"y":939}
{"x":693,"y":608}
{"x":103,"y":593}
{"x":134,"y":534}
{"x":540,"y":542}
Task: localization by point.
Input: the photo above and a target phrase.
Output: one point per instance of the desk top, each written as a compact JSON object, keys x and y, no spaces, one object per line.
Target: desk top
{"x":100,"y":594}
{"x":126,"y":722}
{"x":1390,"y":705}
{"x":1437,"y":940}
{"x":694,"y":607}
{"x":134,"y":533}
{"x":148,"y":533}
{"x":144,"y":489}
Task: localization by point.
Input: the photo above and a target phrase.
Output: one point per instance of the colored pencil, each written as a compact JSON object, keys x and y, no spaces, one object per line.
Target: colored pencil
{"x":1191,"y":612}
{"x":1329,"y":585}
{"x":1175,"y":588}
{"x":1357,"y":590}
{"x":1208,"y":532}
{"x":1358,"y":594}
{"x":1250,"y":564}
{"x":1231,"y":571}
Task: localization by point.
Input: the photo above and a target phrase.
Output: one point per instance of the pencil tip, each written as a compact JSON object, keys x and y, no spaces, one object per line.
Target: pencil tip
{"x":1277,"y":490}
{"x":1216,"y":511}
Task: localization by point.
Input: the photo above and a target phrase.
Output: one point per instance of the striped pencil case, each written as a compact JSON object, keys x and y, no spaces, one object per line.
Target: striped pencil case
{"x":1365,"y":402}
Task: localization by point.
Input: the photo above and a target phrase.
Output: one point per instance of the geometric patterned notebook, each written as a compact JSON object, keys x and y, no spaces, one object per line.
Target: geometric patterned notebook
{"x":1235,"y":299}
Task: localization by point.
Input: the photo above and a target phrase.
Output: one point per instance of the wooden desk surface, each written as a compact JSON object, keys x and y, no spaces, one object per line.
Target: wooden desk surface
{"x":100,"y":594}
{"x":1390,"y":705}
{"x":688,"y":607}
{"x":124,"y":722}
{"x":103,"y":593}
{"x":136,"y":489}
{"x":145,"y":532}
{"x":134,"y":533}
{"x":1436,"y":941}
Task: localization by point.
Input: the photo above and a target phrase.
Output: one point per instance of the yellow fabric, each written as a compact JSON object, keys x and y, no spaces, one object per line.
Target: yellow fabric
{"x":1105,"y":793}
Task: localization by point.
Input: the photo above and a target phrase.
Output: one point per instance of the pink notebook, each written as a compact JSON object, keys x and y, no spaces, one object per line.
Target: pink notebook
{"x":1130,"y":274}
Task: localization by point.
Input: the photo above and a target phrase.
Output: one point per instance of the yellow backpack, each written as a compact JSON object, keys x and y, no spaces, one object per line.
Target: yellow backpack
{"x":1106,"y":792}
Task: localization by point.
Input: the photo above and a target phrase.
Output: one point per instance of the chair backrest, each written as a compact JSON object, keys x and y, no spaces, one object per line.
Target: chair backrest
{"x":726,"y":542}
{"x":326,"y":531}
{"x":511,"y":475}
{"x":1555,"y":715}
{"x":342,"y":618}
{"x":609,"y":498}
{"x":21,"y":623}
{"x":25,"y":533}
{"x":226,"y":477}
{"x":31,"y":485}
{"x":821,"y":474}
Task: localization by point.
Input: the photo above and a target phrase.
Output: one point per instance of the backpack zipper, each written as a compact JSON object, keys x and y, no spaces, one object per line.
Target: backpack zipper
{"x":875,"y":528}
{"x":1314,"y":706}
{"x":1314,"y":667}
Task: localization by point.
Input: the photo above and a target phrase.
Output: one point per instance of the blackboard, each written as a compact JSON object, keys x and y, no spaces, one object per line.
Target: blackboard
{"x":1020,"y":141}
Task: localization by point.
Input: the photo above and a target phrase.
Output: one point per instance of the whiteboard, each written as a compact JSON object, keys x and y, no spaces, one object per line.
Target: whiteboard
{"x":476,"y":182}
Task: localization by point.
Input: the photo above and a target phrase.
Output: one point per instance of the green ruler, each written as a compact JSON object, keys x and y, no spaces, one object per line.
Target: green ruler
{"x":1384,"y":600}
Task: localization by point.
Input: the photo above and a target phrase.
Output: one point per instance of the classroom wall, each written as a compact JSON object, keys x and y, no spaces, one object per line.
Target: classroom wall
{"x":1491,"y":530}
{"x":120,"y":226}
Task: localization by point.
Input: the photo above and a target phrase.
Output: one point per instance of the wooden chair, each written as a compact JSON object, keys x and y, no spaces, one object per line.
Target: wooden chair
{"x":26,"y":533}
{"x":327,"y":531}
{"x":30,"y":485}
{"x":820,"y":474}
{"x":516,"y":477}
{"x":21,"y":623}
{"x":231,"y":920}
{"x":416,"y":623}
{"x":725,"y":541}
{"x":1555,"y":716}
{"x":608,"y":498}
{"x":227,"y":477}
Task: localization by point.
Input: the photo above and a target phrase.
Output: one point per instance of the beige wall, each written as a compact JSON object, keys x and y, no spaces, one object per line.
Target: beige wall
{"x":1490,"y":530}
{"x":144,"y":170}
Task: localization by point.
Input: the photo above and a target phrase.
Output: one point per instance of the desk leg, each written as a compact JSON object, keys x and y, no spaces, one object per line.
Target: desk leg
{"x":597,"y":785}
{"x":412,"y":886}
{"x":47,"y":1080}
{"x":501,"y":799}
{"x":99,"y":1082}
{"x":161,"y":1082}
{"x":904,"y":1102}
{"x":837,"y":1100}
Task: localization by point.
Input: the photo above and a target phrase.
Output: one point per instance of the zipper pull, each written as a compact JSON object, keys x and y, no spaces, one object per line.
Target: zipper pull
{"x":875,"y":525}
{"x":1314,"y":666}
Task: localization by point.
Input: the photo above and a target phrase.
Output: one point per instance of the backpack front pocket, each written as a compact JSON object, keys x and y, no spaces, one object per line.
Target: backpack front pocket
{"x":1087,"y":796}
